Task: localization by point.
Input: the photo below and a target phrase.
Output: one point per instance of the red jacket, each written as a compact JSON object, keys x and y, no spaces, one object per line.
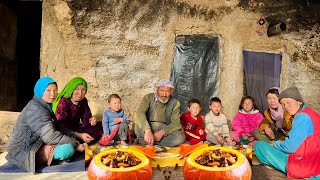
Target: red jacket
{"x":192,"y":126}
{"x":305,"y":162}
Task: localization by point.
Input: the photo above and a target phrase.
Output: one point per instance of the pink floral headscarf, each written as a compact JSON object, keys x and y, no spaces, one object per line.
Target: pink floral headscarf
{"x":277,"y":114}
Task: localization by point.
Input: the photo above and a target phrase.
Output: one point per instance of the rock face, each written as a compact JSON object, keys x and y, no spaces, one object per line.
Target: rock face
{"x":8,"y":33}
{"x":7,"y":122}
{"x":125,"y":46}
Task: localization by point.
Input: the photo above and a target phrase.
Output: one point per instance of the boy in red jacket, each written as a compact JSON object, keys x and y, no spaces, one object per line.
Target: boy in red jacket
{"x":192,"y":123}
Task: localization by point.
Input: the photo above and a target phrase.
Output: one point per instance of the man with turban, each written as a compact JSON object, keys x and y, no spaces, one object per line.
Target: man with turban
{"x":157,"y":120}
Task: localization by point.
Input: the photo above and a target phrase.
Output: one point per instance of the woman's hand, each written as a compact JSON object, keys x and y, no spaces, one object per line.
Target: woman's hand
{"x":269,"y":132}
{"x":84,"y":137}
{"x":93,"y":121}
{"x":80,"y":148}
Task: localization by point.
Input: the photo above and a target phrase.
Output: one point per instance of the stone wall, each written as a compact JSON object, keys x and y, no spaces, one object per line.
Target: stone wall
{"x":125,"y":46}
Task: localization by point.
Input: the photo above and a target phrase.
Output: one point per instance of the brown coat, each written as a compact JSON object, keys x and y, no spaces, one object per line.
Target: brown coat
{"x":267,"y":121}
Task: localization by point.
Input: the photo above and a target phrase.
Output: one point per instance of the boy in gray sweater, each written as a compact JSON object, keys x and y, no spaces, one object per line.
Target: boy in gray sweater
{"x":216,"y":125}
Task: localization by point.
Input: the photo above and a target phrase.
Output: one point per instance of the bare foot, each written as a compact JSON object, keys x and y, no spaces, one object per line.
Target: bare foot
{"x":206,"y":142}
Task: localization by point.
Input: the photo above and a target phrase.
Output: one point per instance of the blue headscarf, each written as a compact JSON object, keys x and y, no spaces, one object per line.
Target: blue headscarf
{"x":42,"y":85}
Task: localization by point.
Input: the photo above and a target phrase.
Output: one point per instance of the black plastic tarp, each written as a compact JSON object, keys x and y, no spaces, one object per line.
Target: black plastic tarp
{"x":195,"y":69}
{"x":262,"y":72}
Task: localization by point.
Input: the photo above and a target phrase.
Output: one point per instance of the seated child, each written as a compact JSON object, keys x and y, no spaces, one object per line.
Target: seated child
{"x":246,"y":120}
{"x":216,"y":125}
{"x":192,"y":123}
{"x":115,"y":122}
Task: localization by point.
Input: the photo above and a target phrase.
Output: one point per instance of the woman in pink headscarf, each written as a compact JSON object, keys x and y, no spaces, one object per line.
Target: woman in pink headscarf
{"x":276,"y":123}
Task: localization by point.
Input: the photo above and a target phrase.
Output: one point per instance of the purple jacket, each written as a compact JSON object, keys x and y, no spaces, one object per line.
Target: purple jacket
{"x":246,"y":122}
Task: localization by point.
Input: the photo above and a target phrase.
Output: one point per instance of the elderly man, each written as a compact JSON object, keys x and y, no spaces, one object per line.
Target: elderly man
{"x":157,"y":120}
{"x":299,"y":154}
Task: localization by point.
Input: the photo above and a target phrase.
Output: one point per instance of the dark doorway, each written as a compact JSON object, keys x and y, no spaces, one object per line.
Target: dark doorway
{"x":195,"y":69}
{"x":262,"y":72}
{"x":23,"y":71}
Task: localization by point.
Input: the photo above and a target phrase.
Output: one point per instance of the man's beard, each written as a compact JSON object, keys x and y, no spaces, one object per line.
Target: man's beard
{"x":163,"y":101}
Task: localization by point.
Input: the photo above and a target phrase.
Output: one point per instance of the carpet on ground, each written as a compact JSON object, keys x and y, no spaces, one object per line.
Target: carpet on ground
{"x":76,"y":164}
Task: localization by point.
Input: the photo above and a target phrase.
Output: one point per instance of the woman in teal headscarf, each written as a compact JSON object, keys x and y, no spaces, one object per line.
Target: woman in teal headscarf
{"x":73,"y":112}
{"x":34,"y":139}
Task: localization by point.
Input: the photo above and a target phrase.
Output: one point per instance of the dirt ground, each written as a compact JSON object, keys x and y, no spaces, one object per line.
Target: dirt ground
{"x":259,"y":172}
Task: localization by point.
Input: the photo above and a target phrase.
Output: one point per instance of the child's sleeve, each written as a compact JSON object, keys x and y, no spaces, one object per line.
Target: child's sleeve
{"x":183,"y":120}
{"x":225,"y":127}
{"x":105,"y":124}
{"x":209,"y":126}
{"x":200,"y":124}
{"x":125,"y":118}
{"x":258,"y":120}
{"x":236,"y":124}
